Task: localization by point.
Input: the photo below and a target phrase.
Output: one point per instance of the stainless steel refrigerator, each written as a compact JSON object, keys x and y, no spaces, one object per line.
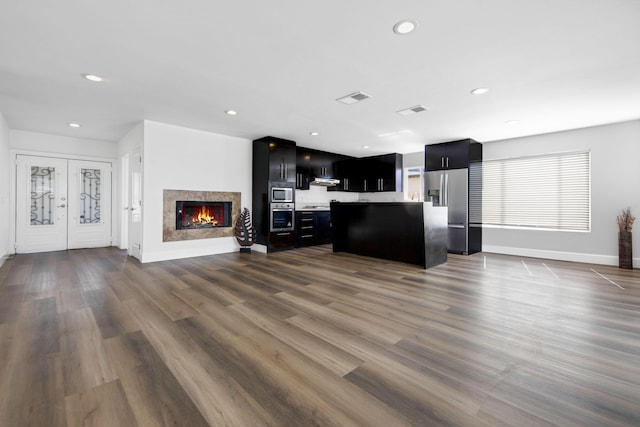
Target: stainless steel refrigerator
{"x":450,"y":188}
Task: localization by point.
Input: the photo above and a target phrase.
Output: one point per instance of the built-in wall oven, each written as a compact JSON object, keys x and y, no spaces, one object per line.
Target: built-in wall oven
{"x":281,"y":217}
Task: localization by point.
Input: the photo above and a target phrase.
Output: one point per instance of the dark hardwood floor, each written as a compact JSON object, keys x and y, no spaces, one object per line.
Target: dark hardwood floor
{"x":312,"y":338}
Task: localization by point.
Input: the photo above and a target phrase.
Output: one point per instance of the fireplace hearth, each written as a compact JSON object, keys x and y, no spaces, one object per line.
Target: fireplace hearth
{"x":199,"y":214}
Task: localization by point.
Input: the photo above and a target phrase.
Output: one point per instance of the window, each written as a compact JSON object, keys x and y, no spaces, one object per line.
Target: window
{"x":413,"y":184}
{"x":550,"y":191}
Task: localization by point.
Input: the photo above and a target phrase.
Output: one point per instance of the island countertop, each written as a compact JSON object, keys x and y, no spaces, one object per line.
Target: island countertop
{"x":410,"y":232}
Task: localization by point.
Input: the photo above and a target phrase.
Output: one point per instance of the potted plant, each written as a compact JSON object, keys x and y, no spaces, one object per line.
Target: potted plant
{"x":625,"y":223}
{"x":244,"y":231}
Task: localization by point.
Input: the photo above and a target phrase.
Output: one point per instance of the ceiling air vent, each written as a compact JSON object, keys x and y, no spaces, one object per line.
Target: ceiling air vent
{"x":353,"y":98}
{"x":412,"y":110}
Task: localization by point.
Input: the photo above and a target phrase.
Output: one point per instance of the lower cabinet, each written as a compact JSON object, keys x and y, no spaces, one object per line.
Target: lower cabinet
{"x":281,"y":240}
{"x":313,"y":228}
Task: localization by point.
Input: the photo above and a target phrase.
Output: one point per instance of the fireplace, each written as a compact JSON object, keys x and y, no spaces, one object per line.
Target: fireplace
{"x":198,"y":214}
{"x":192,"y":214}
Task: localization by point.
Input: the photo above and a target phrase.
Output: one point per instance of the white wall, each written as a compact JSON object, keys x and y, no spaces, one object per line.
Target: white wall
{"x":5,"y":177}
{"x":131,"y":142}
{"x":615,"y":177}
{"x":45,"y":143}
{"x":179,"y":158}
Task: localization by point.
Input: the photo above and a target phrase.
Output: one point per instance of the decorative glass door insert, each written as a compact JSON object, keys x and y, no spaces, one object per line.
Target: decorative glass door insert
{"x":43,"y":195}
{"x":90,"y":196}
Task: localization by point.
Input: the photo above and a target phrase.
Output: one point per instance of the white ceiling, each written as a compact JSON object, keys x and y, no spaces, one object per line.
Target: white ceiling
{"x":552,"y":64}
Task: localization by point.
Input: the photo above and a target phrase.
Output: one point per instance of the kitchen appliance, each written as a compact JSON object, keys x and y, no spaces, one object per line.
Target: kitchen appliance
{"x":450,"y":188}
{"x":281,"y":195}
{"x":281,"y":217}
{"x":325,"y":182}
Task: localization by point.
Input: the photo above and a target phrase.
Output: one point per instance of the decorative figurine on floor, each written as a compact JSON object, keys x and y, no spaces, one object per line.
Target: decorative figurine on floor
{"x":625,"y":254}
{"x":244,"y":231}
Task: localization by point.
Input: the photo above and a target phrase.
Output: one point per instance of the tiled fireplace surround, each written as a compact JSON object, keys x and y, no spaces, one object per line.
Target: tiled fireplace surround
{"x":170,"y":197}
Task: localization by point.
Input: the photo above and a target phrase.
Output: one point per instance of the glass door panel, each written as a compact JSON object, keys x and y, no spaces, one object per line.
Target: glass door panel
{"x":43,"y":195}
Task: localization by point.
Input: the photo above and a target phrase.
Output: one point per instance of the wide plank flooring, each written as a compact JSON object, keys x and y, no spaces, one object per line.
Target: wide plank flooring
{"x":312,"y":338}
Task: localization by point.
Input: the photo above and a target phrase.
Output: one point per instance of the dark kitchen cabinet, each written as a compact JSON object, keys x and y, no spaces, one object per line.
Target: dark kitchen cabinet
{"x":383,"y":173}
{"x":313,"y":228}
{"x":274,"y":165}
{"x":279,"y":157}
{"x":311,"y":164}
{"x":282,"y":240}
{"x":371,"y":174}
{"x":452,"y":155}
{"x":350,"y":172}
{"x":323,"y":227}
{"x":303,"y":168}
{"x":305,"y":235}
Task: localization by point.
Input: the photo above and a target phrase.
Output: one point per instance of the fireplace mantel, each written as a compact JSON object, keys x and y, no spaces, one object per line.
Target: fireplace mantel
{"x":170,"y":197}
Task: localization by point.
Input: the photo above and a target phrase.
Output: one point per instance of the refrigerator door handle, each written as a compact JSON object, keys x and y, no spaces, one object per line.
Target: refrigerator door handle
{"x":446,"y":189}
{"x":456,"y":226}
{"x":441,"y":190}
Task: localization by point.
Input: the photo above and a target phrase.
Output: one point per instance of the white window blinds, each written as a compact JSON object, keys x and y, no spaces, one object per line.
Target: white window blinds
{"x":551,"y":191}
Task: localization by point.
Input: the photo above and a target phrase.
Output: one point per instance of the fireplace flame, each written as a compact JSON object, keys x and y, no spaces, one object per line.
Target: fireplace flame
{"x":204,"y":216}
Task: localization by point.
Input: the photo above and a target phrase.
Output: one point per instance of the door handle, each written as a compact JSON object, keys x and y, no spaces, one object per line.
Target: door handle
{"x":62,"y":206}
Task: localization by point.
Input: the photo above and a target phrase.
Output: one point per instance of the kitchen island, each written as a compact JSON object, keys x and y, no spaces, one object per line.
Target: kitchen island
{"x":415,"y":233}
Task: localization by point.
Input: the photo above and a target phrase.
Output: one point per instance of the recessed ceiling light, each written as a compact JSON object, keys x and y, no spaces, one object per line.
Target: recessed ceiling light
{"x":314,"y":133}
{"x":74,"y":125}
{"x":365,"y":146}
{"x":93,"y":78}
{"x":512,"y":122}
{"x":480,"y":90}
{"x":231,"y":112}
{"x":405,"y":26}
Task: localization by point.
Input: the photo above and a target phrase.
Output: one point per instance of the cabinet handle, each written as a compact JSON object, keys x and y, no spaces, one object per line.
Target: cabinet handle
{"x":286,"y":173}
{"x":442,"y":162}
{"x":447,"y":161}
{"x":284,"y":234}
{"x":365,"y":185}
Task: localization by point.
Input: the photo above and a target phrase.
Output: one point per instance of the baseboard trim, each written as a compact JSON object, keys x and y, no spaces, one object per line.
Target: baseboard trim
{"x":4,"y":257}
{"x":557,"y":255}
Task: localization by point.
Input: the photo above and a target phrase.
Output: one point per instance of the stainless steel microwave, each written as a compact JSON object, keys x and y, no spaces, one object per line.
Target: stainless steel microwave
{"x":281,"y":195}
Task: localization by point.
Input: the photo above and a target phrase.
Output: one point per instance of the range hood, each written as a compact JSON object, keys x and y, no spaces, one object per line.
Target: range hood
{"x":325,"y":182}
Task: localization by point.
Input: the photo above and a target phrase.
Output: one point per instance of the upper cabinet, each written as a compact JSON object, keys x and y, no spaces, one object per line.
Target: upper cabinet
{"x":371,"y":174}
{"x":311,"y":164}
{"x":383,"y":173}
{"x":350,"y":173}
{"x":303,"y":168}
{"x":278,"y":157}
{"x":452,"y":155}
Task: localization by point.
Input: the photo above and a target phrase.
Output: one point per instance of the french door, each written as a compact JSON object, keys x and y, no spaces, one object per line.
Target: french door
{"x":62,"y":204}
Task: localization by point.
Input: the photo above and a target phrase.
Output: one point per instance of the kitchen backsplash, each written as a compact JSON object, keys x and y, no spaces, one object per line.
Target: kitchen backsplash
{"x":317,"y":195}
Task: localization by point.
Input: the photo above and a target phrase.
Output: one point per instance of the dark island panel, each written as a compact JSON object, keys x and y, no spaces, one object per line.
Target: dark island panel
{"x":415,"y":233}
